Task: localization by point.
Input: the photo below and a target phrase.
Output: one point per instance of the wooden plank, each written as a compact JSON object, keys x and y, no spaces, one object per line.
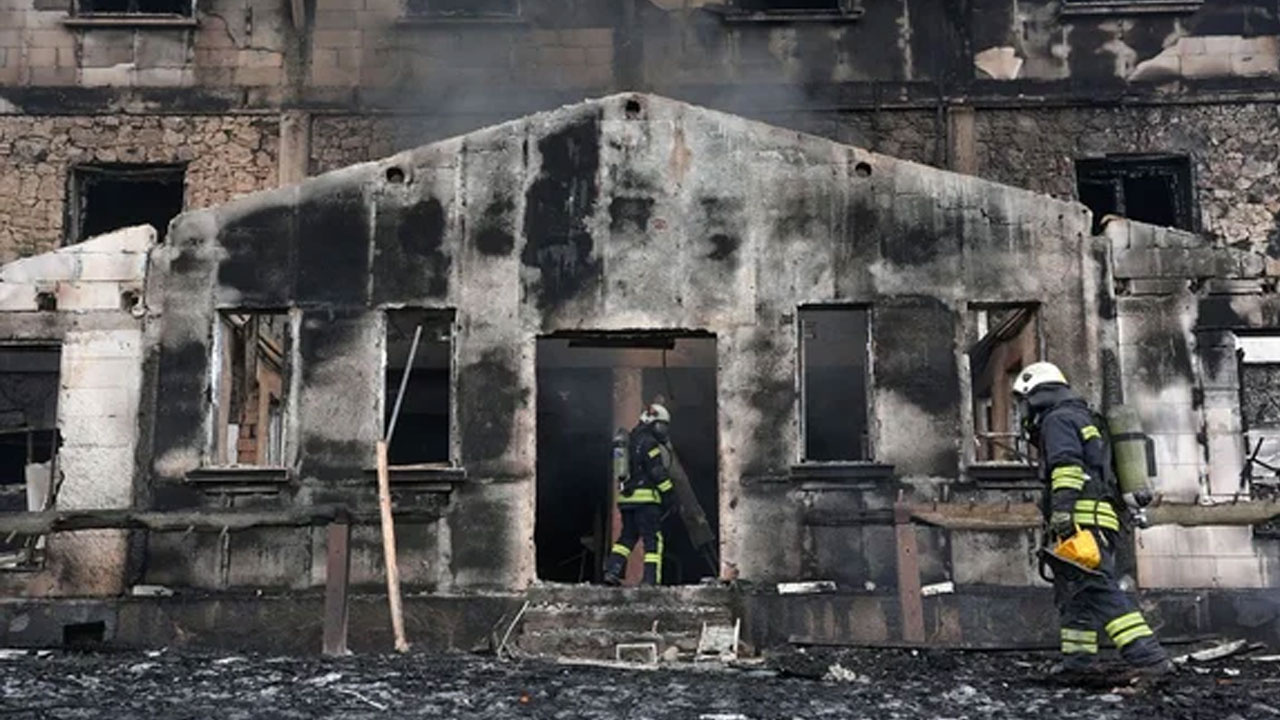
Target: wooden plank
{"x":337,"y":574}
{"x":909,"y":600}
{"x":201,"y":519}
{"x":389,"y":548}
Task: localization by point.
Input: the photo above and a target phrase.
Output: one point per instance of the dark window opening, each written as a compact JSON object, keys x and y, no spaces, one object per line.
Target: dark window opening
{"x":87,"y":634}
{"x":590,"y":386}
{"x":1002,"y":340}
{"x":110,"y":197}
{"x":28,"y":442}
{"x":422,"y":428}
{"x":833,"y":363}
{"x":134,"y":7}
{"x":465,"y":8}
{"x":1153,"y":189}
{"x":251,"y":383}
{"x":800,"y":8}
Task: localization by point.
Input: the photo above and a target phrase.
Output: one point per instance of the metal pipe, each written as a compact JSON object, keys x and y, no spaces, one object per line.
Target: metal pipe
{"x":404,"y":383}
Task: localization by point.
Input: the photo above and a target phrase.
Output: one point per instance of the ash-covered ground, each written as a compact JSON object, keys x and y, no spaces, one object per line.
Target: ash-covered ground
{"x":884,"y":685}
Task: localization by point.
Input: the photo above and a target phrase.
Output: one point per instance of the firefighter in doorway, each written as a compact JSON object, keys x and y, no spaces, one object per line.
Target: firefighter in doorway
{"x":1082,"y":509}
{"x":645,"y":495}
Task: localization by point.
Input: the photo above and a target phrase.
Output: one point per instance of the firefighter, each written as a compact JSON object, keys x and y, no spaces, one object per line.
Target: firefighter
{"x":1075,"y":463}
{"x":644,"y":497}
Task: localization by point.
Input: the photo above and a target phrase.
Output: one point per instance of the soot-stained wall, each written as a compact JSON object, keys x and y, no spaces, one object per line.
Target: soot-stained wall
{"x":630,"y":212}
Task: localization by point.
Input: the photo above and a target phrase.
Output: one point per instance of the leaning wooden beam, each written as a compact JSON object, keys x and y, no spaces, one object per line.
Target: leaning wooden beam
{"x":1240,"y":513}
{"x":211,"y":519}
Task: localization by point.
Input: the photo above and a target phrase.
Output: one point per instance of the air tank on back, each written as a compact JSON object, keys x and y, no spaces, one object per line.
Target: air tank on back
{"x":1133,"y":454}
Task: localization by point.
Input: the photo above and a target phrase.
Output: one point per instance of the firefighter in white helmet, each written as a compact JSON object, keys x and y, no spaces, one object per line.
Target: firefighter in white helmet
{"x":1075,"y":463}
{"x":647,"y":492}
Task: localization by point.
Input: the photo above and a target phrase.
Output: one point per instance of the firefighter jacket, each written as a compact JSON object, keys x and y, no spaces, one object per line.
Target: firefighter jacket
{"x":650,"y":478}
{"x":1075,"y":459}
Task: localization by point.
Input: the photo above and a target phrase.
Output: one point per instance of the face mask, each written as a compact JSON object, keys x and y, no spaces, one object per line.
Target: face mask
{"x":1026,"y":420}
{"x":660,"y":430}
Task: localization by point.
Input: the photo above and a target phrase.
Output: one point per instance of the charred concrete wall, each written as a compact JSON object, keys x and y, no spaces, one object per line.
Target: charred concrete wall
{"x":90,"y":301}
{"x":554,"y":223}
{"x":1192,"y":318}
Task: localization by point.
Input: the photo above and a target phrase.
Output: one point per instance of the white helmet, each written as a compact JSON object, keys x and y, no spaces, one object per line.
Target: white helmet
{"x":655,"y":413}
{"x":1035,"y":375}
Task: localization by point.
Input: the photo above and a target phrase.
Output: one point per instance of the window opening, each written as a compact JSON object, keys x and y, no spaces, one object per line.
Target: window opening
{"x":1003,"y":339}
{"x":467,"y":9}
{"x":1153,"y":189}
{"x":834,"y":373}
{"x":181,"y":8}
{"x":252,"y":379}
{"x":422,"y":430}
{"x":1258,"y":359}
{"x":110,"y":197}
{"x":828,"y":6}
{"x":29,"y":440}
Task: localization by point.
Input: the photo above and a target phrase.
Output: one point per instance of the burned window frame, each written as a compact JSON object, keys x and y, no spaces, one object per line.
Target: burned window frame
{"x":422,"y":9}
{"x":443,"y":319}
{"x":27,"y":551}
{"x":1114,"y":169}
{"x":134,"y":9}
{"x":1069,"y":8}
{"x":221,"y":401}
{"x":81,"y":176}
{"x":1022,"y":453}
{"x":866,"y":453}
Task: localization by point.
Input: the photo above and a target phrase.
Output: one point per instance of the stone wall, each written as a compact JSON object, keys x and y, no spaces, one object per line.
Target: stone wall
{"x":226,"y":156}
{"x":1234,"y":150}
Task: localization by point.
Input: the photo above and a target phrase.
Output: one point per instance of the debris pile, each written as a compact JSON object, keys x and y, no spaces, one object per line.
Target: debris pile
{"x":813,"y":683}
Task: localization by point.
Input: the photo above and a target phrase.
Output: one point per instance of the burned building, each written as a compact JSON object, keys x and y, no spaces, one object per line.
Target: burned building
{"x":833,"y":328}
{"x":833,"y":315}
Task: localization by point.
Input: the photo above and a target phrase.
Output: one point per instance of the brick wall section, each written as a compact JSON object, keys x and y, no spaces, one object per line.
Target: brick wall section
{"x":1234,"y":149}
{"x":228,"y":156}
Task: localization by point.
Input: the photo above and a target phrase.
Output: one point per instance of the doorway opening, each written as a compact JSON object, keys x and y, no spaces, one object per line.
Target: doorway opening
{"x":590,"y":385}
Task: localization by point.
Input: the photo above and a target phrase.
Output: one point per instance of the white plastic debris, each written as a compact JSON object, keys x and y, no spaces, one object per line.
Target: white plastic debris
{"x":942,"y":588}
{"x":228,"y":660}
{"x":1214,"y":653}
{"x":150,"y":591}
{"x":12,"y":654}
{"x":324,"y":680}
{"x":1230,"y":672}
{"x":840,"y":673}
{"x":801,"y":588}
{"x":1111,"y":698}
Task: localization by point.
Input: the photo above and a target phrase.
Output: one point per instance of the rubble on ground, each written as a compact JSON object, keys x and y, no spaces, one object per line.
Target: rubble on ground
{"x":813,"y":683}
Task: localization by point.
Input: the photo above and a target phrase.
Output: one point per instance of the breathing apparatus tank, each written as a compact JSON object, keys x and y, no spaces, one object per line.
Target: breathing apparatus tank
{"x":621,"y":468}
{"x":1134,"y":458}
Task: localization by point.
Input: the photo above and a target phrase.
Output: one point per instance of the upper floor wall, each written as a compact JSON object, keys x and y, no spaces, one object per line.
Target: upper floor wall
{"x":761,"y":54}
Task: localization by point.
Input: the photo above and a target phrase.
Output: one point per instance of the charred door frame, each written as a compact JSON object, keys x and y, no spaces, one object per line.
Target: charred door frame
{"x":641,"y":339}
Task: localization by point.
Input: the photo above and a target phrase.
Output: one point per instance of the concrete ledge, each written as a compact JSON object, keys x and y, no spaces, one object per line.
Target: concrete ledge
{"x":995,"y":617}
{"x":976,"y":617}
{"x":291,"y":624}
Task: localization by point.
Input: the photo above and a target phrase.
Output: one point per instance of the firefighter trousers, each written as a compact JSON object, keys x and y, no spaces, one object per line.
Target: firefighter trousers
{"x":643,"y":522}
{"x":1087,"y":603}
